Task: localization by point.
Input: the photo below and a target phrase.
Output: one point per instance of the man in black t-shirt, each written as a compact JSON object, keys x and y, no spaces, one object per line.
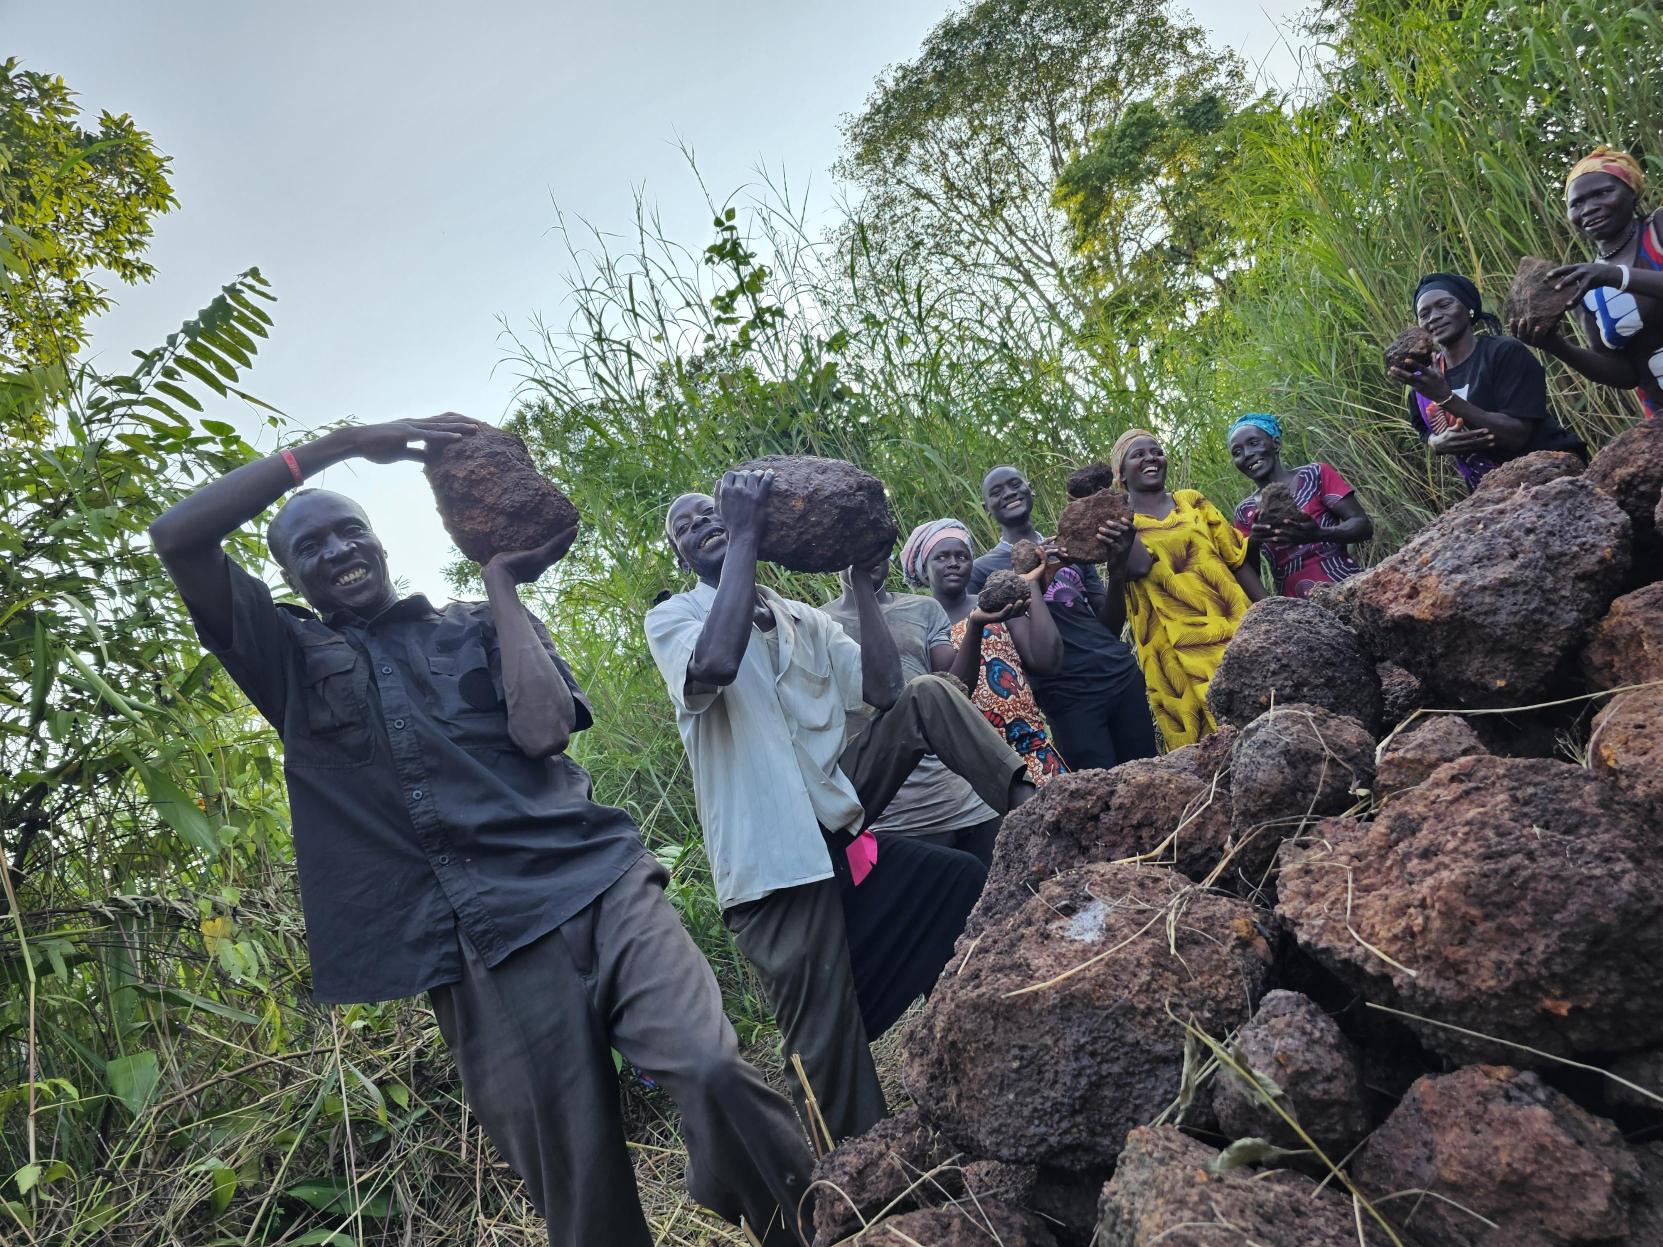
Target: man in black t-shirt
{"x":447,"y":844}
{"x":1097,"y":705}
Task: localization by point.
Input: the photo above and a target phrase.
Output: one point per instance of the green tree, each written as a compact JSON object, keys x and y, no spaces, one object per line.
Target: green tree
{"x":72,"y":201}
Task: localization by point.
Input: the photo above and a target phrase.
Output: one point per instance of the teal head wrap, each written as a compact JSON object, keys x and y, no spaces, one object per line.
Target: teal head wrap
{"x":1261,"y":420}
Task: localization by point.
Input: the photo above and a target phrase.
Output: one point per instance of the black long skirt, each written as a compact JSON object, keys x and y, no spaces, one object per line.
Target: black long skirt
{"x":902,"y":921}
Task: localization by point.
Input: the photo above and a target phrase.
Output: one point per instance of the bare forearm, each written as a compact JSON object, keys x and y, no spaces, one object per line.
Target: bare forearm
{"x":1139,"y":562}
{"x":967,"y":659}
{"x":1511,"y":433}
{"x":541,"y":713}
{"x":1604,"y":367}
{"x":203,"y":520}
{"x":1248,"y":578}
{"x":1037,"y":641}
{"x":727,"y":630}
{"x":880,"y":661}
{"x":1112,"y":609}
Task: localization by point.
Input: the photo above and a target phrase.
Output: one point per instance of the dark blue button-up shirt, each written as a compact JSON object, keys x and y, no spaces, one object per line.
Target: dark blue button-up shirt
{"x":415,"y":816}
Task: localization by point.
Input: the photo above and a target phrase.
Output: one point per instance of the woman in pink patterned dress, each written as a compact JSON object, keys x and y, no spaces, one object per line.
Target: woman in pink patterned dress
{"x":938,"y":556}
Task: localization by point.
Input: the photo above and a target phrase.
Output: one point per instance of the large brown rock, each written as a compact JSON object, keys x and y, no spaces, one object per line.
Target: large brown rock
{"x":1293,"y":650}
{"x":1532,"y":296}
{"x":898,"y":1165}
{"x":1078,"y":524}
{"x":1518,"y":898}
{"x":1277,"y":506}
{"x":1506,"y":1161}
{"x":1412,"y":756}
{"x":491,"y":497}
{"x":1630,"y":470}
{"x":1163,"y":1194}
{"x":1298,"y":1058}
{"x":1104,"y":816}
{"x":822,"y":514}
{"x":1486,"y":604}
{"x":1536,"y":468}
{"x":1626,"y":647}
{"x":1626,"y":747}
{"x":1055,"y":1034}
{"x":1292,"y":764}
{"x":1003,"y":590}
{"x":1208,"y":759}
{"x":978,"y":1223}
{"x":1413,"y":348}
{"x":1091,"y":479}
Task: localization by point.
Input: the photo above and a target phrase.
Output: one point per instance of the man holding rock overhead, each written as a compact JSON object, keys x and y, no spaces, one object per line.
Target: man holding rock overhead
{"x":844,"y":929}
{"x":447,"y":844}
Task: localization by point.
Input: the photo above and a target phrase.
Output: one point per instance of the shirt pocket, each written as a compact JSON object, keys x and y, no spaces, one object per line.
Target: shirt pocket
{"x":335,"y":728}
{"x":808,"y":692}
{"x":467,"y":696}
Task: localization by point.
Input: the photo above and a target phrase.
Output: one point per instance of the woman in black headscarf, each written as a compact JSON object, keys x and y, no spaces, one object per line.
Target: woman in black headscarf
{"x":1484,"y":397}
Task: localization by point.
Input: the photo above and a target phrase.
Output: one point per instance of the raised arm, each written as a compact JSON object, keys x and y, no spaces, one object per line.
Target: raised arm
{"x":727,"y":630}
{"x":1035,"y":635}
{"x":189,"y":534}
{"x":541,"y":712}
{"x":880,"y":660}
{"x":1597,"y":364}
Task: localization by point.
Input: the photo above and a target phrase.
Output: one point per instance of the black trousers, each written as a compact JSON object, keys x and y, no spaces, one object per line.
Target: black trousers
{"x":1104,"y":731}
{"x":531,"y":1037}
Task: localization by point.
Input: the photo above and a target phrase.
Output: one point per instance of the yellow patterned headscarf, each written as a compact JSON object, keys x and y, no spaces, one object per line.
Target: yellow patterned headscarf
{"x":1619,"y":165}
{"x":1123,"y":443}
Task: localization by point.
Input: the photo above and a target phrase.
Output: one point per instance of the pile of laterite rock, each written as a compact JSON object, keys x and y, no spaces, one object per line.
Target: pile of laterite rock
{"x":1355,"y":969}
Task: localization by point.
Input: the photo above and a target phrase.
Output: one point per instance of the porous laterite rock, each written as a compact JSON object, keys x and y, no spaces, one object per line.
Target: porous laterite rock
{"x":1277,"y":507}
{"x":1025,"y":556}
{"x":1002,"y":590}
{"x":1077,"y":526}
{"x":822,"y":515}
{"x":1091,"y":479}
{"x":1293,"y":650}
{"x":1533,"y":297}
{"x":1509,"y":897}
{"x":1506,"y":1161}
{"x":1413,"y":348}
{"x":491,"y":497}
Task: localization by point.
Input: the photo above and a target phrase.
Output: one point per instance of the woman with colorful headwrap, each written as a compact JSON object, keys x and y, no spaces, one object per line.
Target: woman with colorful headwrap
{"x":1484,"y":398}
{"x":1302,"y":554}
{"x":1188,"y":584}
{"x":1621,"y":293}
{"x":998,"y":649}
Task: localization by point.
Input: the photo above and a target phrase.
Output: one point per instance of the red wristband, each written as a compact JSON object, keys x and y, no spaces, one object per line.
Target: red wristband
{"x":294,"y":466}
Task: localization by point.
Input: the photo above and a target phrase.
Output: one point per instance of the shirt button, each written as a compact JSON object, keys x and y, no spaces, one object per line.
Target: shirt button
{"x":398,"y":723}
{"x":386,"y":671}
{"x":416,"y":795}
{"x":444,"y":861}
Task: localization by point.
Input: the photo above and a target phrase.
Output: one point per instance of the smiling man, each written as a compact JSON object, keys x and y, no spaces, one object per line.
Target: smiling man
{"x":798,"y":738}
{"x":448,"y":845}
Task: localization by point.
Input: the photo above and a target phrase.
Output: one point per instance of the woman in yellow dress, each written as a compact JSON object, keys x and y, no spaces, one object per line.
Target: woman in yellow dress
{"x":1188,"y":584}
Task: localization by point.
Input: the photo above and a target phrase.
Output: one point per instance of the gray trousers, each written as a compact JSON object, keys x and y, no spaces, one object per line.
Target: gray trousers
{"x":796,"y":940}
{"x":531,"y":1038}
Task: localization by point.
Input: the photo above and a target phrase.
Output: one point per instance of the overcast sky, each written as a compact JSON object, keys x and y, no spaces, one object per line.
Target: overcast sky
{"x":392,"y":168}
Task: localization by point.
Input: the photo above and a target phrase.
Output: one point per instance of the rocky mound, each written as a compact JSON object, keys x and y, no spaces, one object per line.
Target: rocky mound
{"x":491,"y":497}
{"x":1299,"y":1061}
{"x":1142,"y":808}
{"x":1626,"y":646}
{"x":1515,"y":898}
{"x":1488,"y":1155}
{"x":1463,"y":605}
{"x":1536,"y":468}
{"x":982,"y":1223}
{"x":1630,"y":471}
{"x":1166,"y":1193}
{"x":1626,"y":748}
{"x":1291,"y":765}
{"x":1054,"y":1033}
{"x":1293,"y":650}
{"x":1411,"y":757}
{"x":822,"y":514}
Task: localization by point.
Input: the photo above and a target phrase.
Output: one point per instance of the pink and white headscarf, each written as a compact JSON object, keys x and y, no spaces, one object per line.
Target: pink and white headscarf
{"x":915,"y":554}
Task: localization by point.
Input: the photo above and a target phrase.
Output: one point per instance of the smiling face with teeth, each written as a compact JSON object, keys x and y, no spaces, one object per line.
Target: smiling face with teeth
{"x":1256,"y":454}
{"x":330,"y":555}
{"x":695,"y":529}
